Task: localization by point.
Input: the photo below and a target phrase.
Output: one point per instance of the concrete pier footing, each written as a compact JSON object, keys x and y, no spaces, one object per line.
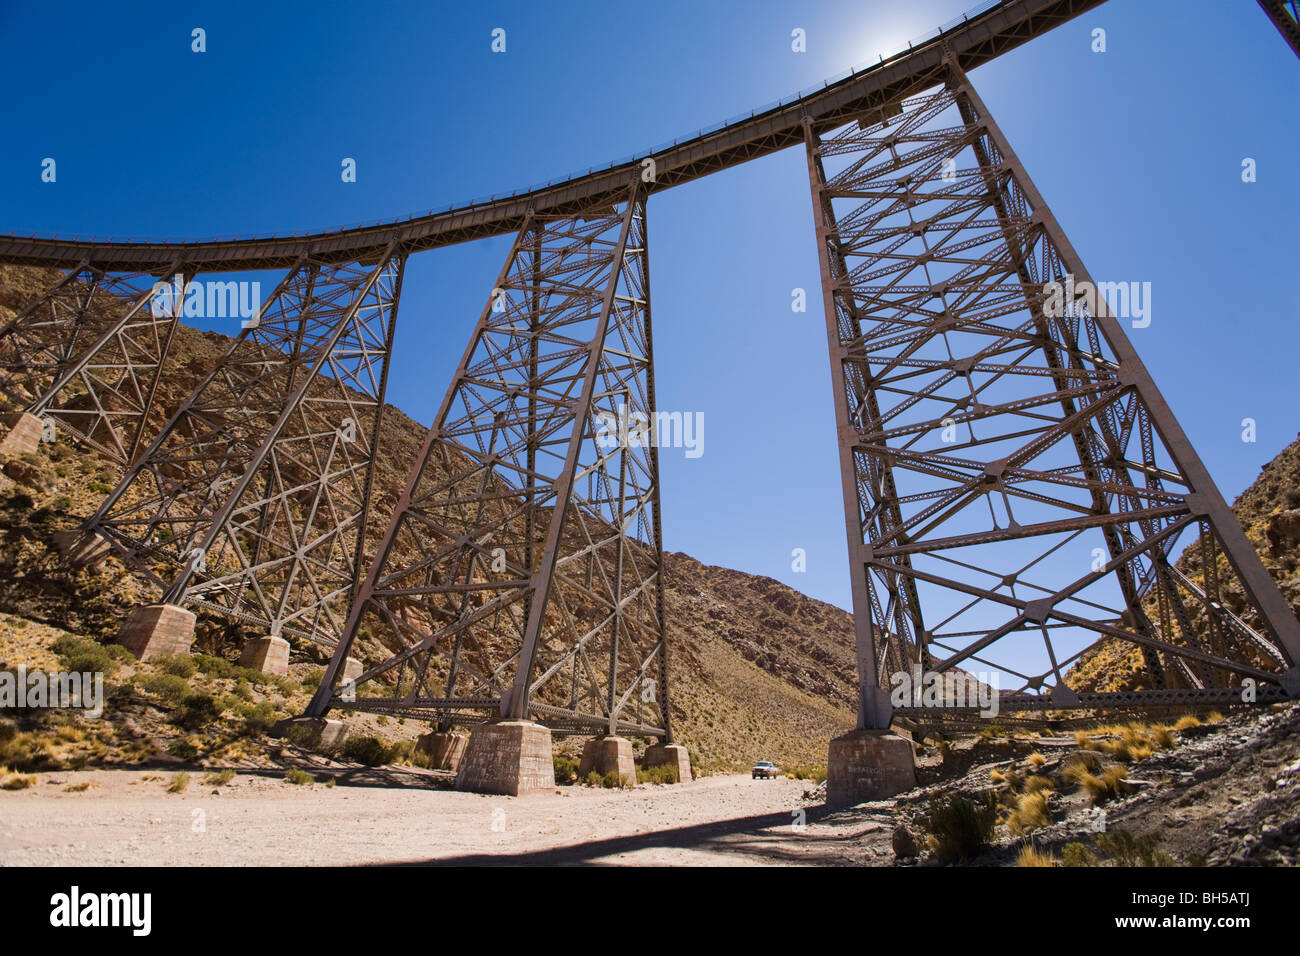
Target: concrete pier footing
{"x":351,"y":669}
{"x":444,"y":748}
{"x":20,"y":434}
{"x":868,"y":765}
{"x":311,"y":731}
{"x":157,"y":630}
{"x":508,"y":757}
{"x":674,"y":755}
{"x":79,"y":549}
{"x":270,"y":655}
{"x":608,"y":755}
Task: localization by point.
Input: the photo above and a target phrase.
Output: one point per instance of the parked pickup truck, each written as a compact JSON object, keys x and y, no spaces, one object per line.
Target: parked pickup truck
{"x":765,"y":768}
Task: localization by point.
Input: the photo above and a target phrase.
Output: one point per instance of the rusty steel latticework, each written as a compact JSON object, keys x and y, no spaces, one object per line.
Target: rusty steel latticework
{"x":1018,"y":496}
{"x":1016,"y":489}
{"x":521,"y":575}
{"x":87,"y":355}
{"x":252,"y":502}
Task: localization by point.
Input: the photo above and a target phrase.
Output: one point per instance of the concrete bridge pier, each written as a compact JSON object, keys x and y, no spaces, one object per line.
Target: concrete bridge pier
{"x":508,"y":757}
{"x":269,"y":654}
{"x":608,"y":754}
{"x":865,"y":765}
{"x":157,"y":630}
{"x":20,"y":434}
{"x":445,"y":749}
{"x":656,"y":755}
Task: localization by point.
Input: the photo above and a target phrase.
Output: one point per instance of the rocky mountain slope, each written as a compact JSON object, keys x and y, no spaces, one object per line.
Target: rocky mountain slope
{"x":759,"y":670}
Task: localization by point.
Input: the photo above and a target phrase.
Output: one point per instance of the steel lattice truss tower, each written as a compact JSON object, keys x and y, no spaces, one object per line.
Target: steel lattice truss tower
{"x":522,"y":570}
{"x":88,"y":354}
{"x":1017,"y":492}
{"x":253,"y":500}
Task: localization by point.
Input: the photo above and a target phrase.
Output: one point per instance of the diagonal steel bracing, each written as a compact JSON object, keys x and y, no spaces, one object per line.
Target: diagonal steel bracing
{"x":87,"y":355}
{"x":254,"y":499}
{"x":1017,"y":492}
{"x":521,"y":574}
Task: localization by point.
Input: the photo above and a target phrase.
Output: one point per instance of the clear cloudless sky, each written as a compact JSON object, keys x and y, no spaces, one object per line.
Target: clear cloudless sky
{"x":1138,"y":150}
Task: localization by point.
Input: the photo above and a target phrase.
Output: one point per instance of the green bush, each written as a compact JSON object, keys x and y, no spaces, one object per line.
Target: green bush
{"x":259,"y":717}
{"x":220,"y":778}
{"x":213,"y":666}
{"x":183,"y":749}
{"x":593,"y":779}
{"x":82,"y":655}
{"x":1076,"y":854}
{"x":167,"y":686}
{"x":196,"y":712}
{"x":961,"y":827}
{"x":299,"y":777}
{"x":663,"y":773}
{"x":566,"y":769}
{"x":370,"y":751}
{"x":179,"y":782}
{"x":1129,"y":850}
{"x":182,"y":665}
{"x":313,"y":678}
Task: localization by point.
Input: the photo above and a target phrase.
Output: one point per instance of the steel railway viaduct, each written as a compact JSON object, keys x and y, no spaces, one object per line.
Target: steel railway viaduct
{"x":991,"y":413}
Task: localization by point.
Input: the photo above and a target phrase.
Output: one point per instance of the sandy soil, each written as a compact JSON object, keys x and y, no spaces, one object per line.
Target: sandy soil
{"x":128,"y":818}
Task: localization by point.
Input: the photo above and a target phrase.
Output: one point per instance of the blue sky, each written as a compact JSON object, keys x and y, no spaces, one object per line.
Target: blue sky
{"x":1138,"y":151}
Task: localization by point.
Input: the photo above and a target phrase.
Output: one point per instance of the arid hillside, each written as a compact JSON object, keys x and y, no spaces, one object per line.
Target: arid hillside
{"x":759,"y":670}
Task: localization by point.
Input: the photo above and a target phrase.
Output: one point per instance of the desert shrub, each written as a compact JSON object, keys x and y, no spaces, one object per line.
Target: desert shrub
{"x":1187,"y":722}
{"x":179,"y":782}
{"x":17,"y":781}
{"x":1080,"y":764}
{"x":1076,"y":854}
{"x":213,"y":666}
{"x":1036,"y":760}
{"x":593,"y":779}
{"x":566,"y":769}
{"x":1030,"y":814}
{"x":1109,"y":785}
{"x":28,"y":750}
{"x":663,"y":773}
{"x":258,"y":717}
{"x":370,"y":751}
{"x":960,"y":827}
{"x":313,"y":678}
{"x":183,"y":750}
{"x":611,"y":780}
{"x":196,"y":712}
{"x":299,"y":777}
{"x":182,"y":665}
{"x":169,"y":687}
{"x":1037,"y":783}
{"x":220,"y":778}
{"x":82,"y":655}
{"x":812,"y":772}
{"x":1129,"y":850}
{"x":1032,"y":856}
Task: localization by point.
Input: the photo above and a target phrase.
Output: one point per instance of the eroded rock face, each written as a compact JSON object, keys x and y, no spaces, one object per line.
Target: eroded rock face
{"x":1283,"y":530}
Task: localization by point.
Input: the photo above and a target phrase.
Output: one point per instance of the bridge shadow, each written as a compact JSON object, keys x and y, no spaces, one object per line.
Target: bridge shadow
{"x":764,"y":838}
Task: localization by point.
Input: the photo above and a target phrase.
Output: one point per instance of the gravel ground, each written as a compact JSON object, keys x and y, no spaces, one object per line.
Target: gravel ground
{"x":128,"y":818}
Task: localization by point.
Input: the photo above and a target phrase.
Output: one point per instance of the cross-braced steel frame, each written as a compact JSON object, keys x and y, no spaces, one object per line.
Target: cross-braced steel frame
{"x":253,"y":500}
{"x":88,"y":354}
{"x":1016,"y":489}
{"x":522,"y":572}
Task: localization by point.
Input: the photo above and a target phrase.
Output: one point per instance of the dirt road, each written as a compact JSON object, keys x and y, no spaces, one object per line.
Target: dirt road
{"x":129,"y":818}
